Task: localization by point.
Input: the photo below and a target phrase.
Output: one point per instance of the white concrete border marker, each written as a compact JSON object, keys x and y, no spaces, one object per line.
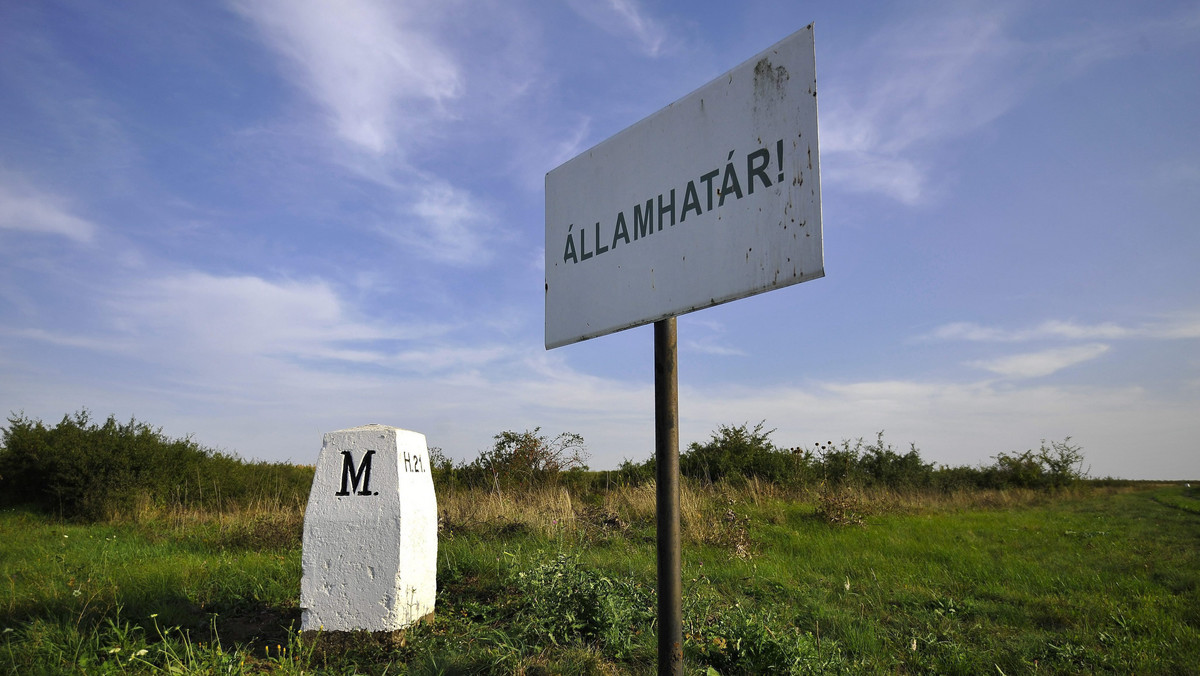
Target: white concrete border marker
{"x":370,"y":533}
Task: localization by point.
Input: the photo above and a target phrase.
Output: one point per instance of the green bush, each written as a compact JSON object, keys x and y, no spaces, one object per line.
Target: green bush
{"x":82,"y":470}
{"x":882,"y":466}
{"x":742,"y":640}
{"x":736,"y":452}
{"x":562,"y":601}
{"x":630,"y":473}
{"x":1063,"y":462}
{"x":521,"y":460}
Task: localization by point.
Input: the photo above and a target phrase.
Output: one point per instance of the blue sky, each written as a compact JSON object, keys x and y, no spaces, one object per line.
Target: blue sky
{"x":256,"y":222}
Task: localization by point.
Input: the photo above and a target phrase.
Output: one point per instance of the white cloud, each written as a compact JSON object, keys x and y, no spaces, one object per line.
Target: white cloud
{"x":240,"y":317}
{"x":30,"y":210}
{"x":444,"y":358}
{"x":1043,"y":363}
{"x":544,"y":149}
{"x":1182,"y":326}
{"x":712,"y":347}
{"x":222,"y":332}
{"x":961,"y":74}
{"x":446,"y":224}
{"x":1177,"y":174}
{"x":625,"y":18}
{"x":648,"y":31}
{"x":864,"y":171}
{"x":937,"y":77}
{"x":390,"y":79}
{"x":709,"y":338}
{"x":66,"y":339}
{"x":367,"y":62}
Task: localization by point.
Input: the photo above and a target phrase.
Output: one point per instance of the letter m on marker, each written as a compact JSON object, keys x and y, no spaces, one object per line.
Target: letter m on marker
{"x":351,"y":477}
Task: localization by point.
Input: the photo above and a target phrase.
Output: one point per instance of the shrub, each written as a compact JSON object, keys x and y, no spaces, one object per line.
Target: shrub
{"x":738,"y":452}
{"x":958,"y":478}
{"x":742,"y":640}
{"x":1055,"y":466}
{"x":562,"y":601}
{"x":882,"y":466}
{"x":735,"y":453}
{"x":82,"y":470}
{"x":840,"y":507}
{"x":1017,"y":470}
{"x":630,"y":473}
{"x":524,"y":459}
{"x":838,"y":465}
{"x":1063,"y":462}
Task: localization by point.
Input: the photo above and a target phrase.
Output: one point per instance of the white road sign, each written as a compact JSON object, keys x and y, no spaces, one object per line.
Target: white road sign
{"x":713,"y":198}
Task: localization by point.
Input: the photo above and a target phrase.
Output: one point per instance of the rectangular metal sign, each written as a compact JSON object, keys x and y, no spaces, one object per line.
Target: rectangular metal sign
{"x":713,"y":198}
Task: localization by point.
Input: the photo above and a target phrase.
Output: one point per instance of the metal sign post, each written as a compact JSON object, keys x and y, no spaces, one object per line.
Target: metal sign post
{"x":666,"y":458}
{"x":714,"y":198}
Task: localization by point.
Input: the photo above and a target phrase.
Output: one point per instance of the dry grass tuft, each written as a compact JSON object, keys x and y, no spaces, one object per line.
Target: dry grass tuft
{"x":841,"y":507}
{"x":543,"y":510}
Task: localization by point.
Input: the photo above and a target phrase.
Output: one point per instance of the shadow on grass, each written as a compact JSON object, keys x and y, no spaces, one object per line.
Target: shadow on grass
{"x":249,"y":626}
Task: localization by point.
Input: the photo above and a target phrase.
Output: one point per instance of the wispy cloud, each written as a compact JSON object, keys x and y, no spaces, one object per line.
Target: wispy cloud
{"x":365,"y":61}
{"x":649,"y":32}
{"x":935,"y":78}
{"x":957,"y":77}
{"x":714,"y":348}
{"x":1180,"y":327}
{"x":709,"y":340}
{"x":235,"y":317}
{"x":28,"y":209}
{"x":1043,"y":363}
{"x":625,"y":18}
{"x":1177,"y":174}
{"x":446,"y":224}
{"x":390,"y":80}
{"x":66,"y":339}
{"x":545,"y":149}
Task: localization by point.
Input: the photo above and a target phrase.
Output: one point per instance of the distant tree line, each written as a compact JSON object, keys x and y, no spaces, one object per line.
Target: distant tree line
{"x":79,"y":469}
{"x":736,"y":453}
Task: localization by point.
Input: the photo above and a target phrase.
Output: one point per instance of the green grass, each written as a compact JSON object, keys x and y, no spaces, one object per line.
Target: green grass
{"x":1179,"y":497}
{"x":1090,"y":581}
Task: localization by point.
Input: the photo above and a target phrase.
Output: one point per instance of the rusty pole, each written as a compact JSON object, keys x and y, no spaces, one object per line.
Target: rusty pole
{"x":666,"y":454}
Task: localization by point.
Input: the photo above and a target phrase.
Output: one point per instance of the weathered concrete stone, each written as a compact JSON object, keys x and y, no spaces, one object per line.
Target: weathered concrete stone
{"x":370,"y":533}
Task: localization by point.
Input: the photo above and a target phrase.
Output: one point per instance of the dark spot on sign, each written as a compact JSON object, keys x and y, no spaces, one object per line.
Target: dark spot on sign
{"x":769,"y":79}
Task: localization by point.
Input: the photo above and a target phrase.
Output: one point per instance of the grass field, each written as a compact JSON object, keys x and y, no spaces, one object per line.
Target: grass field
{"x":1092,"y":580}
